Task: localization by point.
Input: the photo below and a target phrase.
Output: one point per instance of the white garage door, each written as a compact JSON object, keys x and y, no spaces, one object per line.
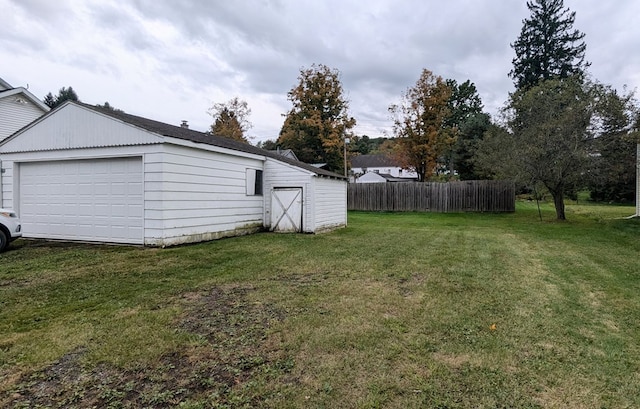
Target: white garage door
{"x":93,"y":200}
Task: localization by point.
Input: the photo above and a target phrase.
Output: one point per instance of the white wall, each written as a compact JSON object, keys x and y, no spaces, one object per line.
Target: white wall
{"x":195,"y":195}
{"x":330,"y":201}
{"x":73,"y":127}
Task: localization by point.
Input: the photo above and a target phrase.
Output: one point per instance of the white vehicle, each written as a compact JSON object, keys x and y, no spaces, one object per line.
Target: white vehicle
{"x":10,"y":228}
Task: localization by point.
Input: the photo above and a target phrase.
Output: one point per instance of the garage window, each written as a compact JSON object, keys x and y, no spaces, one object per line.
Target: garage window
{"x":254,"y":182}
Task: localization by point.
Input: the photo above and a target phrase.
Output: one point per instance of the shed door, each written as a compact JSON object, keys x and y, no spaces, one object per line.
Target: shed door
{"x":286,"y":210}
{"x":92,"y":200}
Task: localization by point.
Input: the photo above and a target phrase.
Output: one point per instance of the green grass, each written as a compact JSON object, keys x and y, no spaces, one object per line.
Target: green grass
{"x":396,"y":310}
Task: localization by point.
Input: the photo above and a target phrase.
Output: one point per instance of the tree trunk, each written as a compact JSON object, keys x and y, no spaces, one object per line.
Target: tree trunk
{"x":558,"y":201}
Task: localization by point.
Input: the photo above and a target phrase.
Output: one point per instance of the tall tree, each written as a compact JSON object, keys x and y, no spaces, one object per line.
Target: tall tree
{"x":361,"y":145}
{"x":465,"y":106}
{"x":613,"y":174}
{"x":316,"y":126}
{"x":548,"y":46}
{"x":64,"y":94}
{"x":546,"y":138}
{"x":231,"y":119}
{"x":269,"y":144}
{"x":420,"y":125}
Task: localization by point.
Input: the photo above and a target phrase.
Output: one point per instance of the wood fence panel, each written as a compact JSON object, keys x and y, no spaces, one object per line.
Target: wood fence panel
{"x":465,"y":196}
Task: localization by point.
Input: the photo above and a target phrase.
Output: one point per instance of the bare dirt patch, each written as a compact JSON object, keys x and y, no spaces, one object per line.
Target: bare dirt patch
{"x":231,"y":347}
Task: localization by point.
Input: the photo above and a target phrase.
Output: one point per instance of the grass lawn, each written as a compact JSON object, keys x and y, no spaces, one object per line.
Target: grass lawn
{"x":395,"y":311}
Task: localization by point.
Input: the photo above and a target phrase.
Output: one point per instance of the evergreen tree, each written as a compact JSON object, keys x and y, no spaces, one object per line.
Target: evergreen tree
{"x":269,"y":145}
{"x":612,"y":176}
{"x":107,"y":106}
{"x":64,"y":94}
{"x":548,"y":46}
{"x":466,"y":116}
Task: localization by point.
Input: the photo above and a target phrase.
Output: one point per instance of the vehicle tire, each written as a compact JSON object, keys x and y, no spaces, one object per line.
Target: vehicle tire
{"x":4,"y":243}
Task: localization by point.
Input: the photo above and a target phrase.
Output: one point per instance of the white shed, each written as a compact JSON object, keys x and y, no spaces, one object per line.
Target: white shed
{"x":90,"y":174}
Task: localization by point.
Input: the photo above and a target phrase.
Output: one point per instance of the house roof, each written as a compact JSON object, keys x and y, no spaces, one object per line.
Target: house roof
{"x":173,"y":131}
{"x":373,"y":161}
{"x":288,"y":153}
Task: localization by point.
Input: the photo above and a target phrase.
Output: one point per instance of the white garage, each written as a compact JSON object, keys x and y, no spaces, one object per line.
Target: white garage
{"x":88,"y":174}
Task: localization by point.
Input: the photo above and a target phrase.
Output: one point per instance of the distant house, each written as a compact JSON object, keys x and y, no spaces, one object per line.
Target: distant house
{"x":373,"y":177}
{"x":18,"y":107}
{"x":287,"y":153}
{"x":379,"y":168}
{"x":86,"y":173}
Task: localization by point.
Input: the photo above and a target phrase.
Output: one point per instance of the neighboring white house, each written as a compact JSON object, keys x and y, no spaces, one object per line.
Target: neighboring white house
{"x":90,"y":174}
{"x":382,"y":168}
{"x":373,"y":177}
{"x":18,"y":108}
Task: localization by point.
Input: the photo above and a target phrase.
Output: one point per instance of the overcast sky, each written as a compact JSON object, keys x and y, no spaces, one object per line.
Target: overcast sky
{"x":171,"y":60}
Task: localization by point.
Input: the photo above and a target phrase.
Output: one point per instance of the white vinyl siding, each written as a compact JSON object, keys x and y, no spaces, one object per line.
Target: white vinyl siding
{"x":77,"y":127}
{"x":14,"y":115}
{"x":330,"y":203}
{"x":196,"y":194}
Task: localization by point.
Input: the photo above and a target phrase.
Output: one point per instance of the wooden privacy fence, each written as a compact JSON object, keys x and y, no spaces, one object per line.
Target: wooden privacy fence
{"x":467,"y":196}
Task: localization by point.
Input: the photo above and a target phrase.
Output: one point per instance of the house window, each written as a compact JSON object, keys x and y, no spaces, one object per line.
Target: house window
{"x":254,"y":182}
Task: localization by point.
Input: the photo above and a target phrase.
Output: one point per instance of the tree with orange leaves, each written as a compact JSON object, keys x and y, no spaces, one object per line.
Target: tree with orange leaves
{"x":316,"y":127}
{"x":419,"y":125}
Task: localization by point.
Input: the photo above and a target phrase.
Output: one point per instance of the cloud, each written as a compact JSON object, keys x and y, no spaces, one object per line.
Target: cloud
{"x":172,"y":60}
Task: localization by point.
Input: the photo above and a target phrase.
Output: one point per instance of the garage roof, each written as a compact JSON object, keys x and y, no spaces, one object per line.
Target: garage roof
{"x":163,"y":129}
{"x":173,"y":131}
